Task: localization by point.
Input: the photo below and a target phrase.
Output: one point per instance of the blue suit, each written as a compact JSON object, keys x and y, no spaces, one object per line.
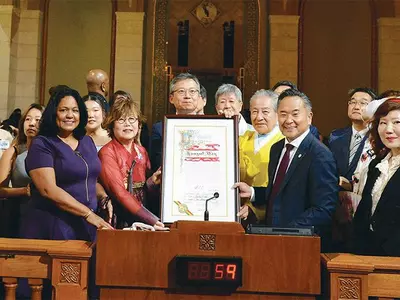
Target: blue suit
{"x":156,"y":145}
{"x":309,"y":192}
{"x":339,"y":143}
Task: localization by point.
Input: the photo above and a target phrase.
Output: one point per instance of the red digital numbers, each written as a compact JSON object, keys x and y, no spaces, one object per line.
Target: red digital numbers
{"x":225,"y":272}
{"x":202,"y":271}
{"x":199,"y":270}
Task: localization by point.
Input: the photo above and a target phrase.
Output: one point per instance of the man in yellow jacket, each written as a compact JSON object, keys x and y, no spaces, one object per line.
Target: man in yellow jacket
{"x":254,"y":146}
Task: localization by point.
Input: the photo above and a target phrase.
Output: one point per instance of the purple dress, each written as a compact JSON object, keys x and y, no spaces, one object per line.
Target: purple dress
{"x":76,"y":173}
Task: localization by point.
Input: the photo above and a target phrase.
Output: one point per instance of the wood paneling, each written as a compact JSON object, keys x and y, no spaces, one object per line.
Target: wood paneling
{"x":286,"y":265}
{"x":336,"y":55}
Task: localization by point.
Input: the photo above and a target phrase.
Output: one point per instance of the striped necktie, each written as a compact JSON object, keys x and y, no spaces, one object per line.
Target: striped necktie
{"x":355,"y":143}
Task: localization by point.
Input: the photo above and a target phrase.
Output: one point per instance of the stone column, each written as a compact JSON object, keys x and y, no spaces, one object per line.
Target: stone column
{"x":284,"y":36}
{"x":388,"y":54}
{"x":128,"y":53}
{"x":29,"y":55}
{"x":6,"y":14}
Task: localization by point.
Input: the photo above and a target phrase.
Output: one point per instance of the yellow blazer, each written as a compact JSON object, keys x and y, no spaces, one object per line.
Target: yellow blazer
{"x":254,"y":166}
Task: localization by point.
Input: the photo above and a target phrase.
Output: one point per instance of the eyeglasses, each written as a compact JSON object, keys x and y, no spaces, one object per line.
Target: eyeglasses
{"x":182,"y":92}
{"x":361,"y":103}
{"x":131,"y":120}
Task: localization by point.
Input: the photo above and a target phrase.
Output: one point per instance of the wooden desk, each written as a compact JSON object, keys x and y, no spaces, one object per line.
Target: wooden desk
{"x":65,"y":263}
{"x":357,"y":277}
{"x":137,"y":264}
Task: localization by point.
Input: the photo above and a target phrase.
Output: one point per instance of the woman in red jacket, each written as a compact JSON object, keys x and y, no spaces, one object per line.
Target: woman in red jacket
{"x":125,"y":164}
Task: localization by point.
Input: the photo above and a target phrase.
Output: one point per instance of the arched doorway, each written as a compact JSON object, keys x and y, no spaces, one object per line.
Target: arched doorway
{"x":245,"y":72}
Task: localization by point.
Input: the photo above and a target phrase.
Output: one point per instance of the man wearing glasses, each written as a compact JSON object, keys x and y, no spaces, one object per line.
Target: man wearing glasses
{"x":184,"y":95}
{"x":347,"y":143}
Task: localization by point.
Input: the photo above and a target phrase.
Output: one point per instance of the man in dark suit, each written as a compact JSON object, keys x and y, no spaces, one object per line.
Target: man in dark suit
{"x":347,"y":143}
{"x":304,"y":189}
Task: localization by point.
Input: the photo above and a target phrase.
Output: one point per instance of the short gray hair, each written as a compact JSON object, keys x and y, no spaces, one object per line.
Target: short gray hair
{"x":227,"y":88}
{"x":267,"y":93}
{"x":296,"y":93}
{"x":180,"y":77}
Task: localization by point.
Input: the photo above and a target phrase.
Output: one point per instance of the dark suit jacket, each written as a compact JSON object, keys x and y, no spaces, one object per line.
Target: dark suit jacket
{"x":156,"y":146}
{"x":339,"y":143}
{"x":309,"y":193}
{"x":385,"y":238}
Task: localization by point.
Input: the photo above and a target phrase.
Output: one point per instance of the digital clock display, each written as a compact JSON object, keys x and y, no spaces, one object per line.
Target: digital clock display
{"x":201,"y":270}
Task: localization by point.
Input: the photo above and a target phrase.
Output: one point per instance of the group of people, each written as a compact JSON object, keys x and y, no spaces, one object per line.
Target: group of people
{"x":79,"y":164}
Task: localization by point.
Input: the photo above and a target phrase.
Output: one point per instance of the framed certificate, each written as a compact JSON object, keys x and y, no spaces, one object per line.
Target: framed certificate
{"x":200,"y":161}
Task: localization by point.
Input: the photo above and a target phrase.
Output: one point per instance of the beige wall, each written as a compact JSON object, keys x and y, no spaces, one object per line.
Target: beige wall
{"x":129,"y":53}
{"x":388,"y":54}
{"x":5,"y":56}
{"x":79,"y":39}
{"x":284,"y":34}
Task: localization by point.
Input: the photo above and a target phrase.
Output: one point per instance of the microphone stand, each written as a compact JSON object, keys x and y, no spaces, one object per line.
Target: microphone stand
{"x":206,"y":214}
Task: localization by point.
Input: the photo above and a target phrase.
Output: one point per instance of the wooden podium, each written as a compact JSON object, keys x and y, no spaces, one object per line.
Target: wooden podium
{"x":140,"y":265}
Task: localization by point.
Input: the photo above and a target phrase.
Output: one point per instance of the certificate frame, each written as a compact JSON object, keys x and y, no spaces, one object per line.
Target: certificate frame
{"x":200,"y":157}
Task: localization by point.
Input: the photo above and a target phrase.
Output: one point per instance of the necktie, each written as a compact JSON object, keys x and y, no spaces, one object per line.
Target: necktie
{"x":355,"y":143}
{"x":280,"y":175}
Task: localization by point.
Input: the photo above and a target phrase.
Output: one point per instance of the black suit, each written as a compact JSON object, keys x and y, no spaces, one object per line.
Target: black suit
{"x":309,"y":192}
{"x":385,"y":237}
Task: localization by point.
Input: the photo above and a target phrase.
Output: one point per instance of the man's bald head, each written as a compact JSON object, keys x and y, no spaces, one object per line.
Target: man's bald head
{"x":97,"y":81}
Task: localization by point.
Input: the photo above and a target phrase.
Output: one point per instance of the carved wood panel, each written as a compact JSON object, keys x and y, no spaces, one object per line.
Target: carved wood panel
{"x":349,"y":288}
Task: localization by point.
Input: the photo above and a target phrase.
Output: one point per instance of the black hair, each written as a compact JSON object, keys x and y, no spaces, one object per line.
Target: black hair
{"x":54,"y":89}
{"x":48,"y":126}
{"x":366,"y":90}
{"x":99,"y":99}
{"x":296,"y":93}
{"x":285,"y":83}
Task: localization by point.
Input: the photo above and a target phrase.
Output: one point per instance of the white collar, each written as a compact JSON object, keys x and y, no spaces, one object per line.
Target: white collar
{"x":296,"y":142}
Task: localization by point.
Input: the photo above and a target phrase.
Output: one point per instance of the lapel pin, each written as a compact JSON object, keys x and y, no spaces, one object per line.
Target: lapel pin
{"x":299,"y":155}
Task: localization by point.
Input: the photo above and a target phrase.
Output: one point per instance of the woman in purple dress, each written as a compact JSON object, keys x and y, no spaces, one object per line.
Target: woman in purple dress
{"x":63,"y":164}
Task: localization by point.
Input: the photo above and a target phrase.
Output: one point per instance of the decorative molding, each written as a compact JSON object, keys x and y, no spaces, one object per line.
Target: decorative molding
{"x":251,"y":49}
{"x":70,"y":273}
{"x":349,"y":288}
{"x":159,"y":60}
{"x":207,"y":242}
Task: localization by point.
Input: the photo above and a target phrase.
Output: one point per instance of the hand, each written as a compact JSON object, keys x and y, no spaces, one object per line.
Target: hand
{"x":156,"y":177}
{"x":243,"y":212}
{"x":244,"y":189}
{"x":28,"y":190}
{"x":345,"y":183}
{"x":160,"y":226}
{"x":228,"y":112}
{"x":110,"y":211}
{"x":95,"y":220}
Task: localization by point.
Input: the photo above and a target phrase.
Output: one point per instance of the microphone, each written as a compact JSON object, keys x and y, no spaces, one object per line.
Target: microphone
{"x":206,"y":214}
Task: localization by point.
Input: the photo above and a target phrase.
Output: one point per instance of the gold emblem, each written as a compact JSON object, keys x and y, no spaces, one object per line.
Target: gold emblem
{"x":206,"y":12}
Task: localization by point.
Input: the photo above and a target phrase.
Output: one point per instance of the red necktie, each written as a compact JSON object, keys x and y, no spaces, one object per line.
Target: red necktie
{"x":280,"y":175}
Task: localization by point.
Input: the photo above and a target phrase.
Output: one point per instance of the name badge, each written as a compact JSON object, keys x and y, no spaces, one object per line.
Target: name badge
{"x":4,"y":144}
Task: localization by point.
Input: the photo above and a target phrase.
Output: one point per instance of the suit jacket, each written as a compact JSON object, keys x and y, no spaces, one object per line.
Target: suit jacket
{"x":385,"y":237}
{"x":339,"y":143}
{"x":156,"y":145}
{"x":309,"y":192}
